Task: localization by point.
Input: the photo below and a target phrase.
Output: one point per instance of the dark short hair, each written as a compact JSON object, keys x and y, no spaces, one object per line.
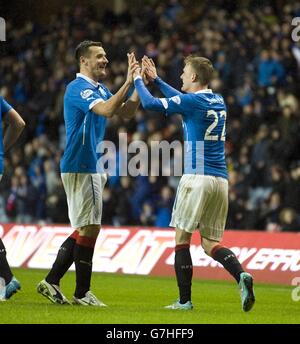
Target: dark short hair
{"x":202,"y":67}
{"x":82,"y":48}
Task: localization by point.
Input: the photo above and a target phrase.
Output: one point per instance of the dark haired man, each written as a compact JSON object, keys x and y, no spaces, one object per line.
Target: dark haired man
{"x":87,"y":105}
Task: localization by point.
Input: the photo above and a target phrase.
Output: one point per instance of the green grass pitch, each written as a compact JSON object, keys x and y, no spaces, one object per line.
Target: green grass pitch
{"x":140,"y":299}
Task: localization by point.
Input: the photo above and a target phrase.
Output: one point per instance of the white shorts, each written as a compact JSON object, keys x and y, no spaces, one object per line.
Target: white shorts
{"x":201,"y":202}
{"x":84,"y":196}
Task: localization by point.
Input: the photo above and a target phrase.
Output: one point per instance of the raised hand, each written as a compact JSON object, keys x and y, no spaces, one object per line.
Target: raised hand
{"x":133,"y":68}
{"x":149,"y":67}
{"x":143,"y":75}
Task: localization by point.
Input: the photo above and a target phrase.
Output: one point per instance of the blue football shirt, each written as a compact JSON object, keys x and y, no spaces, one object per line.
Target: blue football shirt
{"x":84,"y":129}
{"x":204,"y":127}
{"x":4,"y":108}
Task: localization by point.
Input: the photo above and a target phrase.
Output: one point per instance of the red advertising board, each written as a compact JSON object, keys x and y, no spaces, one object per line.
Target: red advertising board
{"x":270,"y":257}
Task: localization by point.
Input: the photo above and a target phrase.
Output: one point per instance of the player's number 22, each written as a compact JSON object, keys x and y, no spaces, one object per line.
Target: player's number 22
{"x":208,"y":134}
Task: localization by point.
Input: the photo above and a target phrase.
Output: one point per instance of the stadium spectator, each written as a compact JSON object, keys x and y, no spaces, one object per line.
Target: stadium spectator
{"x":147,"y":216}
{"x":288,"y":220}
{"x":270,"y":70}
{"x":164,"y":204}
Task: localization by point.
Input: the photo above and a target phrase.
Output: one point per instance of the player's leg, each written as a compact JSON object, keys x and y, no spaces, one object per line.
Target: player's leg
{"x":224,"y":256}
{"x":183,"y":265}
{"x":9,"y":284}
{"x":213,"y":224}
{"x":49,"y":287}
{"x":184,"y":220}
{"x":228,"y":259}
{"x":65,"y":258}
{"x":5,"y":271}
{"x":63,"y":261}
{"x":91,"y":191}
{"x":213,"y":221}
{"x":83,"y":255}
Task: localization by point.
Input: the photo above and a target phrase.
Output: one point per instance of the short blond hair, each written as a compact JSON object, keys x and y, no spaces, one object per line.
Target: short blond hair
{"x":202,"y":67}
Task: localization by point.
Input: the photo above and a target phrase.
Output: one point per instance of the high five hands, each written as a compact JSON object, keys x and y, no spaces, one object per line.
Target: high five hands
{"x":147,"y":70}
{"x":133,"y":67}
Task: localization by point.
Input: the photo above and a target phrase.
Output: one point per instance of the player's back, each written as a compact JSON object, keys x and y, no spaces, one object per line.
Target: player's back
{"x":204,"y":124}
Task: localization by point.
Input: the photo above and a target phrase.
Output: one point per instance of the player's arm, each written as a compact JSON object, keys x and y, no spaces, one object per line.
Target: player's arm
{"x":183,"y":103}
{"x":151,"y":73}
{"x":110,"y":107}
{"x":128,"y":109}
{"x":148,"y":101}
{"x":15,"y":125}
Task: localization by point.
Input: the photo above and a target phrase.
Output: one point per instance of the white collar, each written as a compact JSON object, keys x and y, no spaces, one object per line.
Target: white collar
{"x":91,"y":81}
{"x":206,"y":90}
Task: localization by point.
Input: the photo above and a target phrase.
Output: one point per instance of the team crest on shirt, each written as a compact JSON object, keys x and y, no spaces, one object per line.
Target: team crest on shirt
{"x":176,"y":99}
{"x":86,"y":93}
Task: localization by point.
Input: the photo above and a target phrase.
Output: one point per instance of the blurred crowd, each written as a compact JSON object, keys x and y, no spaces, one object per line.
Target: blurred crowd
{"x":257,"y":71}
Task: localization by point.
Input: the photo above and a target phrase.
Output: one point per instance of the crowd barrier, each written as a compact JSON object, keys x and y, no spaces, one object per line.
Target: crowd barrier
{"x":270,"y":257}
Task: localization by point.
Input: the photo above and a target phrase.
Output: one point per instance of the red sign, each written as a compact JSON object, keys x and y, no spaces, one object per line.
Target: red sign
{"x":269,"y":257}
